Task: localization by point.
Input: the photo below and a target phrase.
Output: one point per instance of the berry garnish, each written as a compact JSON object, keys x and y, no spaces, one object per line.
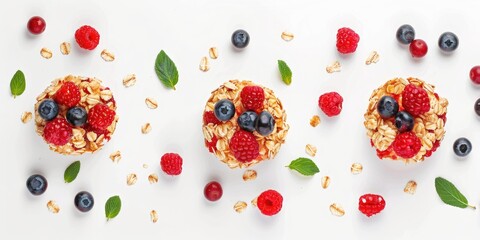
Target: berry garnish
{"x":224,"y":110}
{"x":84,"y":201}
{"x":36,"y":25}
{"x":213,"y":191}
{"x":171,"y":164}
{"x":246,"y":120}
{"x":477,"y":107}
{"x":418,"y":48}
{"x":415,"y":100}
{"x":68,"y":94}
{"x":212,"y":145}
{"x":448,"y":42}
{"x":240,"y":38}
{"x":209,"y":117}
{"x":405,"y":34}
{"x":270,"y":202}
{"x":371,"y":204}
{"x":101,"y":116}
{"x":406,"y":145}
{"x":330,"y":103}
{"x":37,"y":184}
{"x":57,"y":132}
{"x":48,"y":109}
{"x":77,"y":116}
{"x":387,"y":107}
{"x":265,"y":124}
{"x":252,"y":98}
{"x":475,"y":74}
{"x":244,"y":146}
{"x":404,"y":121}
{"x":347,"y":40}
{"x":87,"y":37}
{"x":462,"y":147}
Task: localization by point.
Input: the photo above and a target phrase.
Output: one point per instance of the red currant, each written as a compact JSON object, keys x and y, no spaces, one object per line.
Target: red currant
{"x":36,"y":25}
{"x":213,"y":191}
{"x":475,"y":74}
{"x":418,"y":48}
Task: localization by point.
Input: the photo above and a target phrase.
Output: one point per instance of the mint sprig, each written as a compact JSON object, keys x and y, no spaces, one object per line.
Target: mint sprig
{"x":71,"y":172}
{"x":166,"y":70}
{"x":285,"y":72}
{"x":113,"y":207}
{"x":17,"y":84}
{"x":450,"y":194}
{"x":304,"y":166}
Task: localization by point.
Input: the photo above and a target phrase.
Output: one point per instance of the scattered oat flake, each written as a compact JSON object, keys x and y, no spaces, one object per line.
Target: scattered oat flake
{"x":145,"y":165}
{"x":249,"y":174}
{"x":116,"y":156}
{"x":154,"y":216}
{"x":129,"y":80}
{"x":107,"y":55}
{"x":356,"y":168}
{"x":325,"y":182}
{"x":53,"y":207}
{"x":131,"y":179}
{"x":372,"y":58}
{"x":254,"y":202}
{"x":151,"y":103}
{"x":213,"y":52}
{"x":153,"y":178}
{"x":287,"y":36}
{"x":46,"y":53}
{"x":315,"y":120}
{"x":65,"y":48}
{"x":334,"y":67}
{"x":337,"y":210}
{"x":26,"y":116}
{"x":240,"y":206}
{"x":204,"y":65}
{"x":311,"y":150}
{"x":146,"y":128}
{"x":411,"y":187}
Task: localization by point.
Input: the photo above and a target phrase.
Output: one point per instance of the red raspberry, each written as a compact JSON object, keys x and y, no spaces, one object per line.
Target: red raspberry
{"x":270,"y":202}
{"x":371,"y":204}
{"x":171,"y":163}
{"x":406,"y":145}
{"x":87,"y":37}
{"x":347,"y":40}
{"x":415,"y":100}
{"x":101,"y":116}
{"x":57,"y":132}
{"x":252,"y":97}
{"x":244,"y":146}
{"x":330,"y":103}
{"x":68,"y":94}
{"x":209,"y":117}
{"x":212,"y":145}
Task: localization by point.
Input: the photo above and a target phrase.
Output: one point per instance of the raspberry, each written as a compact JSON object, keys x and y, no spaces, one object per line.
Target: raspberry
{"x":252,"y":98}
{"x":406,"y":145}
{"x":209,"y":117}
{"x":270,"y":202}
{"x":244,"y":146}
{"x":171,"y":163}
{"x":68,"y":94}
{"x":57,"y":132}
{"x":371,"y":204}
{"x":330,"y":103}
{"x":415,"y":100}
{"x":87,"y":37}
{"x":347,"y":40}
{"x":101,"y":116}
{"x":212,"y":145}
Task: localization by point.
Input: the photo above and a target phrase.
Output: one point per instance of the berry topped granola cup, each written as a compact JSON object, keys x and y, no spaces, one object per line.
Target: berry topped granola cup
{"x":405,"y":120}
{"x":244,"y":123}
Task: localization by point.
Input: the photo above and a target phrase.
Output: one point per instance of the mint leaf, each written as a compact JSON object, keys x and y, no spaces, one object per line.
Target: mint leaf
{"x":304,"y":166}
{"x":285,"y":72}
{"x":450,"y":194}
{"x":17,"y":84}
{"x":166,"y":70}
{"x":71,"y":172}
{"x":112,"y":207}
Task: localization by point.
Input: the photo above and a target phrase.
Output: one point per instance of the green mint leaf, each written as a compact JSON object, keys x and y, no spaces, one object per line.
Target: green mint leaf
{"x":450,"y":194}
{"x":71,"y":172}
{"x":112,"y":207}
{"x":17,"y":84}
{"x":285,"y":72}
{"x":304,"y":166}
{"x":166,"y":70}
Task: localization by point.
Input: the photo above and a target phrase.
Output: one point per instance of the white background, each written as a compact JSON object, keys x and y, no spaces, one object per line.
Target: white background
{"x":137,"y":30}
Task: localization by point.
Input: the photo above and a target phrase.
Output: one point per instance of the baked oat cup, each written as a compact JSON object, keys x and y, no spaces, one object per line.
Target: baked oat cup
{"x":417,"y":128}
{"x":259,"y":133}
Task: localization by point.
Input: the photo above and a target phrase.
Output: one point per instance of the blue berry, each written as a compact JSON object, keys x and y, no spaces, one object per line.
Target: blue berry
{"x":477,"y":107}
{"x":448,"y":42}
{"x":405,"y":34}
{"x":48,"y":109}
{"x":224,"y":110}
{"x":240,"y":38}
{"x":265,"y":123}
{"x":37,"y":184}
{"x":404,"y":121}
{"x":246,"y":121}
{"x":387,"y":107}
{"x":84,"y":201}
{"x":462,"y":147}
{"x":77,"y":116}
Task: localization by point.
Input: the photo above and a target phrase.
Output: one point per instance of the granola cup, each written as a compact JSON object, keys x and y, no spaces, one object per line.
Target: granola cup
{"x":84,"y":139}
{"x":428,"y":127}
{"x":222,"y":133}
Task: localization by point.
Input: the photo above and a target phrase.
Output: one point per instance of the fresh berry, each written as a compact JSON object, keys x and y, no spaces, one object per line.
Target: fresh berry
{"x":213,"y":191}
{"x":36,"y":25}
{"x":448,"y":42}
{"x":87,"y":37}
{"x":57,"y":132}
{"x":418,"y":48}
{"x":101,"y":116}
{"x":347,"y":40}
{"x":477,"y":107}
{"x":387,"y":107}
{"x":330,"y":103}
{"x":415,"y":100}
{"x":240,"y":38}
{"x":406,"y":145}
{"x":244,"y":146}
{"x":84,"y":201}
{"x":405,"y":34}
{"x":475,"y":74}
{"x":404,"y":121}
{"x":265,"y":123}
{"x":171,"y":164}
{"x":371,"y":204}
{"x":246,"y":121}
{"x":68,"y":94}
{"x":37,"y":184}
{"x":252,"y":98}
{"x":209,"y":117}
{"x":462,"y":147}
{"x":224,"y":110}
{"x":270,"y":202}
{"x":48,"y":109}
{"x":77,"y":116}
{"x":212,"y":145}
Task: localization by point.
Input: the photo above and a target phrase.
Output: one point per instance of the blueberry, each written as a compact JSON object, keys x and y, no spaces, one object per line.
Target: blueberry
{"x":477,"y":107}
{"x":462,"y":147}
{"x":224,"y":110}
{"x":246,"y":120}
{"x":84,"y":201}
{"x":77,"y":116}
{"x":48,"y":109}
{"x":265,"y":123}
{"x":448,"y":42}
{"x":387,"y":107}
{"x":405,"y":34}
{"x":37,"y":184}
{"x":240,"y":38}
{"x":404,"y":121}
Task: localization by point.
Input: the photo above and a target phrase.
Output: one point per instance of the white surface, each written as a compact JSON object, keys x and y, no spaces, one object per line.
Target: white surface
{"x":137,"y":30}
